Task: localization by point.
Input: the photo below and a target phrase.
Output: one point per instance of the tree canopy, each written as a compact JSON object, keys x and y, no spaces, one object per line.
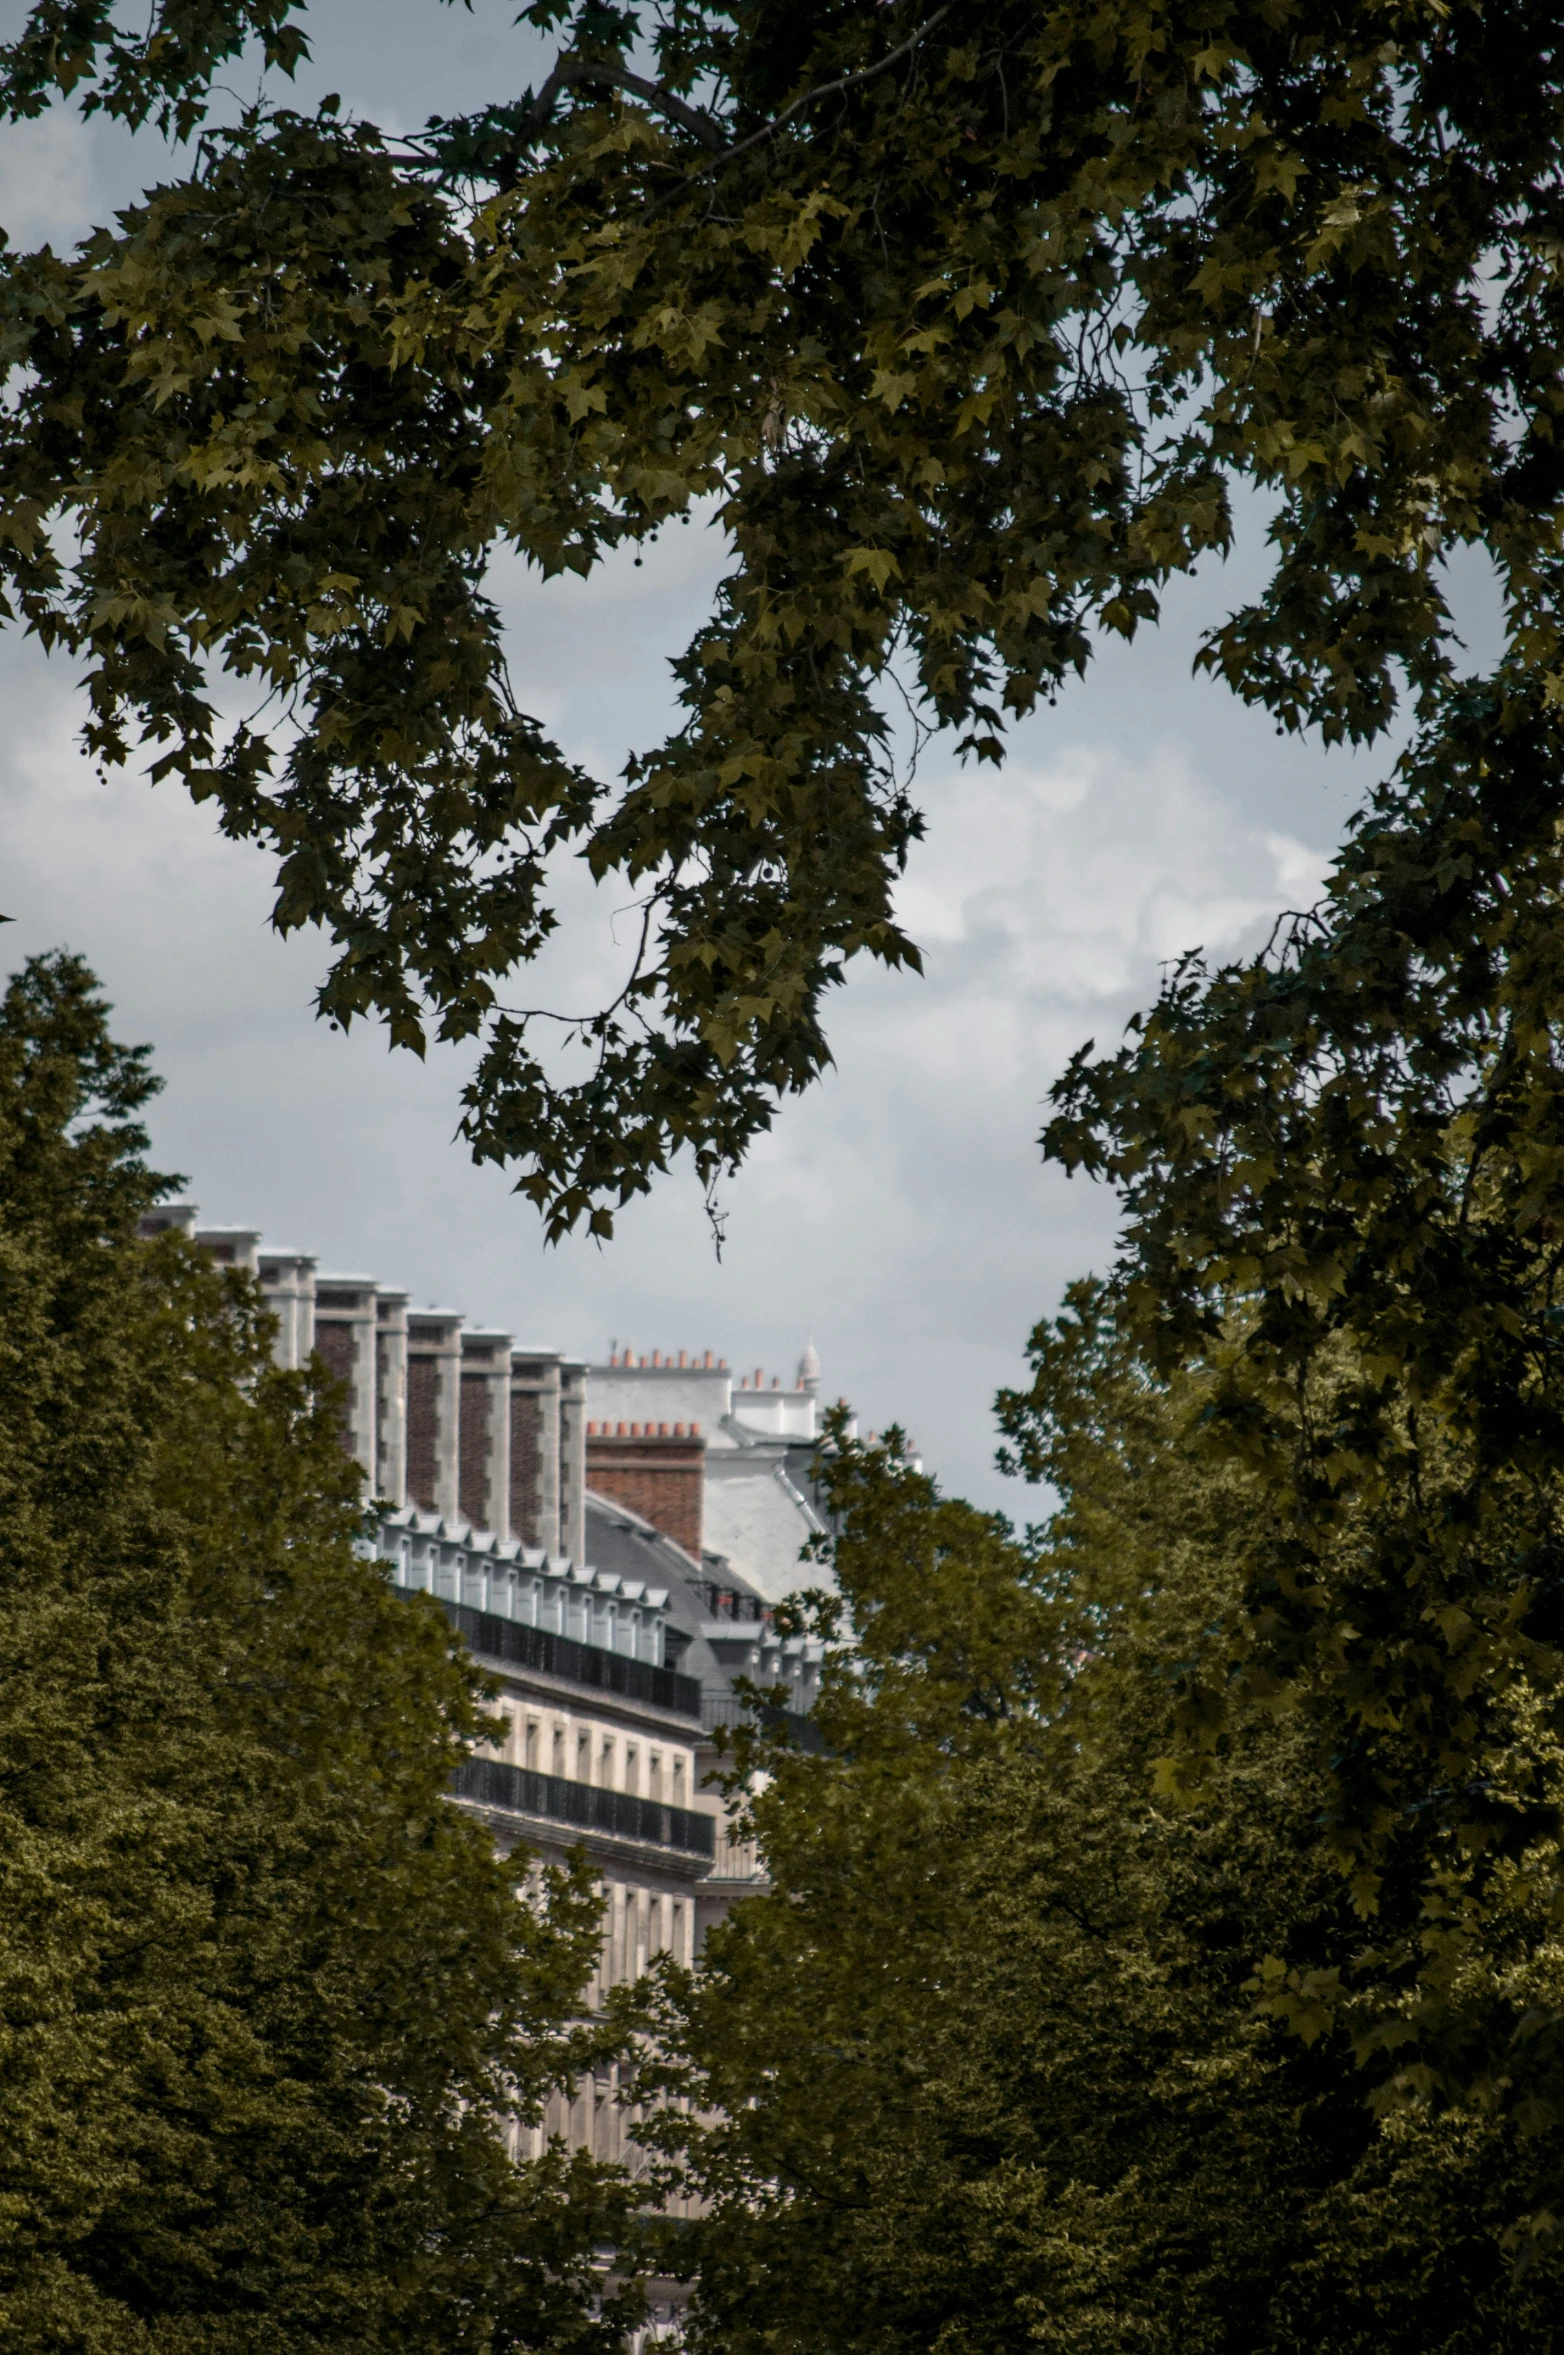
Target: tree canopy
{"x":967,"y":324}
{"x":971,"y":326}
{"x":993,"y":2065}
{"x":271,"y":2007}
{"x":1339,"y":1165}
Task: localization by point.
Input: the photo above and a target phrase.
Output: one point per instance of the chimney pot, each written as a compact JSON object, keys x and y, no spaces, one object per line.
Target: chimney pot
{"x":662,"y":1430}
{"x":708,"y":1357}
{"x":695,"y":1430}
{"x":681,"y":1357}
{"x":678,"y":1430}
{"x":621,"y":1432}
{"x":656,"y":1359}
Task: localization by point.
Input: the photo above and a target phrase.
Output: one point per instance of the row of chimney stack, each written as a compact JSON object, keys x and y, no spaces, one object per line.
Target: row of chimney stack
{"x":442,"y":1415}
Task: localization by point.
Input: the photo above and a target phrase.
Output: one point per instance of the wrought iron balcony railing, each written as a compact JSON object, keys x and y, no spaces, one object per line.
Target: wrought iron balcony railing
{"x":728,"y":1709}
{"x":520,"y":1646}
{"x":523,"y":1791}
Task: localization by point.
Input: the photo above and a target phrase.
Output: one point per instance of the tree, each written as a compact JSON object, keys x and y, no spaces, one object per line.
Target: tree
{"x":270,"y":2005}
{"x":1340,"y":1168}
{"x":965,"y":321}
{"x":993,"y":2059}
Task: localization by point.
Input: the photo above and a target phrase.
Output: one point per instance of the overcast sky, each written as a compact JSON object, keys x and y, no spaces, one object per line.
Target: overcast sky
{"x":900,"y":1215}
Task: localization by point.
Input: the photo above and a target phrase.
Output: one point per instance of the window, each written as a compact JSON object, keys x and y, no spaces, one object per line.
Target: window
{"x":605,"y":1765}
{"x":632,"y":1769}
{"x":678,"y":1782}
{"x":559,"y":1749}
{"x":532,"y":1742}
{"x":583,"y":1758}
{"x":654,"y":1775}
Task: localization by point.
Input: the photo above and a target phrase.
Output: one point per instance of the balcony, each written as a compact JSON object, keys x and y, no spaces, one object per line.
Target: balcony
{"x":520,"y":1646}
{"x":522,"y":1791}
{"x":796,"y":1726}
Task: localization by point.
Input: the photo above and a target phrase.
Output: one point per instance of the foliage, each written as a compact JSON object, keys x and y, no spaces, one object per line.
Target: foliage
{"x":269,"y":2004}
{"x":1340,"y":1168}
{"x":964,"y":323}
{"x":993,"y":2058}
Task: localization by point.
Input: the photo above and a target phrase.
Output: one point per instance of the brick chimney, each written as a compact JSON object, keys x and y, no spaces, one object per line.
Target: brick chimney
{"x":658,"y":1470}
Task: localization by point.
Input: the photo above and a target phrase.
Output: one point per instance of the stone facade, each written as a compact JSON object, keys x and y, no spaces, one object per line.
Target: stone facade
{"x":450,"y":1417}
{"x":601,"y":1751}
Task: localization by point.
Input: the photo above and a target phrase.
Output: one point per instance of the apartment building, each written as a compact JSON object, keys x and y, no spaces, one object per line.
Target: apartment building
{"x":476,"y":1450}
{"x":565,"y":1515}
{"x":720,"y":1462}
{"x":601,"y":1751}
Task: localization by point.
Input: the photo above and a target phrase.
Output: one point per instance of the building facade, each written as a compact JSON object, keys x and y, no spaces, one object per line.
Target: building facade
{"x":653,"y":1508}
{"x":601,"y":1751}
{"x":610,"y":1540}
{"x":450,"y":1418}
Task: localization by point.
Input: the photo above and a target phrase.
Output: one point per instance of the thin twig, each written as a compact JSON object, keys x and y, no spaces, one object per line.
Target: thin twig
{"x":865,"y":73}
{"x":569,"y":69}
{"x":604,"y":1013}
{"x":572,"y":69}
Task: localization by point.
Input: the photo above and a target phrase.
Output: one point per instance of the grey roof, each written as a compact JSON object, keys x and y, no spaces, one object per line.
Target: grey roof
{"x":619,"y":1540}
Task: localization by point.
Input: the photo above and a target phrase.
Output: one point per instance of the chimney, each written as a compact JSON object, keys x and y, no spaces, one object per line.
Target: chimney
{"x":483,"y":1476}
{"x":659,"y":1473}
{"x":391,"y":1395}
{"x":434,"y":1373}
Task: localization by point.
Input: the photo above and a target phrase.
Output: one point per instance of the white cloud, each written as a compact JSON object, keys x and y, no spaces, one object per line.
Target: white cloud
{"x":49,"y":187}
{"x":1070,"y":886}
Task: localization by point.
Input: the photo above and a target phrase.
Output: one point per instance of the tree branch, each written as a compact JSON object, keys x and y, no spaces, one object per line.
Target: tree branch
{"x":866,"y":73}
{"x":569,"y":69}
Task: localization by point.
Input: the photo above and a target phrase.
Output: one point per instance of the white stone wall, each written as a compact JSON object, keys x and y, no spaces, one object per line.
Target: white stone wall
{"x":586,"y":1740}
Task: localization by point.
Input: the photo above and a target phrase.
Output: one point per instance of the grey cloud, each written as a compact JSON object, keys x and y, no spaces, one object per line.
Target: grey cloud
{"x":900,"y":1214}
